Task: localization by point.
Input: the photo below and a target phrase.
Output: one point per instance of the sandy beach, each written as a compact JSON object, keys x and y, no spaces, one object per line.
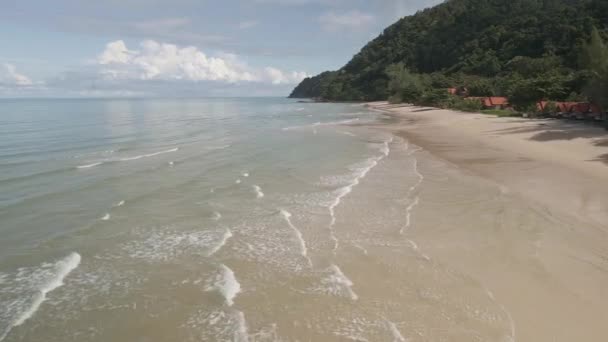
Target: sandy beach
{"x":545,"y":257}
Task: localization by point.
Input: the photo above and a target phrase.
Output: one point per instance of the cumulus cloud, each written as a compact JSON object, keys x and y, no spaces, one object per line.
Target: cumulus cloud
{"x":10,"y":77}
{"x":169,"y":62}
{"x":351,"y":20}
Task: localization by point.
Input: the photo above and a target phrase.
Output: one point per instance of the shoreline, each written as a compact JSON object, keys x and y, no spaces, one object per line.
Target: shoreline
{"x":547,"y":160}
{"x":540,"y":253}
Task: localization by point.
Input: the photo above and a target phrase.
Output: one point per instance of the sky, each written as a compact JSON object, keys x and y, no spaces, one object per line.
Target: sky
{"x":139,"y":48}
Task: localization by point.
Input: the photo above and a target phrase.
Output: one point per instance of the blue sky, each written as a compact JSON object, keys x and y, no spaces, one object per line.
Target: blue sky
{"x":72,"y":48}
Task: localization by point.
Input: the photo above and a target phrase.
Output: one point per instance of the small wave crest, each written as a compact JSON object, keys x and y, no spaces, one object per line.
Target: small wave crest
{"x":106,"y":217}
{"x":338,"y":284}
{"x":40,"y":281}
{"x":302,"y":243}
{"x":397,"y":337}
{"x":225,"y":237}
{"x":216,"y":216}
{"x":226,"y":284}
{"x":258,"y":191}
{"x":149,"y":155}
{"x":88,"y":166}
{"x":318,"y":124}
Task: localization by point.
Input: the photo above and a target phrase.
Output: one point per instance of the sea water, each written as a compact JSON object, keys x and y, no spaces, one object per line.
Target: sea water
{"x":216,"y":220}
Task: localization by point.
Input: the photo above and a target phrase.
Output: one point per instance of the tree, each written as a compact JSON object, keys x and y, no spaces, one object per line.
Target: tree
{"x":595,"y":59}
{"x":403,"y":86}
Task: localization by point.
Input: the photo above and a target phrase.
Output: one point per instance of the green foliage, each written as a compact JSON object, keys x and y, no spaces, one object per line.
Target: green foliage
{"x":492,"y":47}
{"x":466,"y":105}
{"x":550,"y":107}
{"x":595,"y":59}
{"x":435,"y":97}
{"x":403,"y":86}
{"x":478,"y":86}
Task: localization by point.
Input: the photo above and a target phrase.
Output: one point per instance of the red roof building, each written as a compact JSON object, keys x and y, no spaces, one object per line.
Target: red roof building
{"x":496,"y":102}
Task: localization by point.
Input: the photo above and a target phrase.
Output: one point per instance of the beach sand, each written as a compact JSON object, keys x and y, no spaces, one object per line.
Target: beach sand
{"x":542,"y":254}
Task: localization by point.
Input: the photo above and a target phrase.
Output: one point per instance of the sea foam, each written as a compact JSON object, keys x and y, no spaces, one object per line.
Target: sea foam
{"x":303,"y":250}
{"x":338,"y":284}
{"x":226,"y":284}
{"x":318,"y":124}
{"x":88,"y":166}
{"x":397,"y":337}
{"x":357,"y":176}
{"x":225,"y":237}
{"x":258,"y":191}
{"x":148,"y":155}
{"x":48,"y":278}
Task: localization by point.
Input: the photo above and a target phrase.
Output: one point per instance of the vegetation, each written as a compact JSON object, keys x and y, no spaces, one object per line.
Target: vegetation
{"x":526,"y":50}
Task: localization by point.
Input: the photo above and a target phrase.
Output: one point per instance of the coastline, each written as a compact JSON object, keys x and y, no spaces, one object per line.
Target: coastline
{"x":556,"y":162}
{"x":541,"y":252}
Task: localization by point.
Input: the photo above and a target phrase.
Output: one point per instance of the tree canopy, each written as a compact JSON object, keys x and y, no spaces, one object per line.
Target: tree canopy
{"x":491,"y":47}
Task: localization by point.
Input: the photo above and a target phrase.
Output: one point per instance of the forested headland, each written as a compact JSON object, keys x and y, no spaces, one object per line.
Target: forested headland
{"x":526,"y":50}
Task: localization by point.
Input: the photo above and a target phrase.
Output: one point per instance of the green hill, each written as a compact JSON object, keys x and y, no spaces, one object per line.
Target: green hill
{"x":485,"y":45}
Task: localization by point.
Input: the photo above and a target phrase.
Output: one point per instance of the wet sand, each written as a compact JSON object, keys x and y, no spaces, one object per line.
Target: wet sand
{"x":540,"y":247}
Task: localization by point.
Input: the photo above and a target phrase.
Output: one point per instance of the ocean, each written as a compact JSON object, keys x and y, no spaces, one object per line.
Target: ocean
{"x":223,"y":219}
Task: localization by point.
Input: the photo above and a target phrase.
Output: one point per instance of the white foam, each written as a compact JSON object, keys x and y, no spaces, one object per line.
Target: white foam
{"x":507,"y":313}
{"x":120,"y":204}
{"x":241,"y":334}
{"x":408,"y":215}
{"x":397,"y":337}
{"x":59,"y":271}
{"x":417,"y":249}
{"x":227,"y":235}
{"x":148,"y":155}
{"x":317,"y":124}
{"x":303,"y":250}
{"x":416,"y":200}
{"x":258,"y":191}
{"x":216,"y":216}
{"x":385,"y":148}
{"x":226,"y":284}
{"x":339,"y":283}
{"x":347,"y":133}
{"x":238,"y":181}
{"x":358,"y":175}
{"x":106,"y":217}
{"x":171,"y":163}
{"x":246,"y":174}
{"x":89,"y":165}
{"x":358,"y":246}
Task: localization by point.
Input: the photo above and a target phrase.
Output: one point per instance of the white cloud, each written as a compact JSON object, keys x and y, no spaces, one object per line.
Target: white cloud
{"x":169,"y":62}
{"x":10,"y":77}
{"x":352,"y":20}
{"x":115,"y":52}
{"x":276,"y":76}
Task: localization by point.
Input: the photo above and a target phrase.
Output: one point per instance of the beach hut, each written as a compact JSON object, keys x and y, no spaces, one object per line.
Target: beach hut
{"x":495,"y":102}
{"x":563,"y":109}
{"x":580,"y":110}
{"x":595,"y":113}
